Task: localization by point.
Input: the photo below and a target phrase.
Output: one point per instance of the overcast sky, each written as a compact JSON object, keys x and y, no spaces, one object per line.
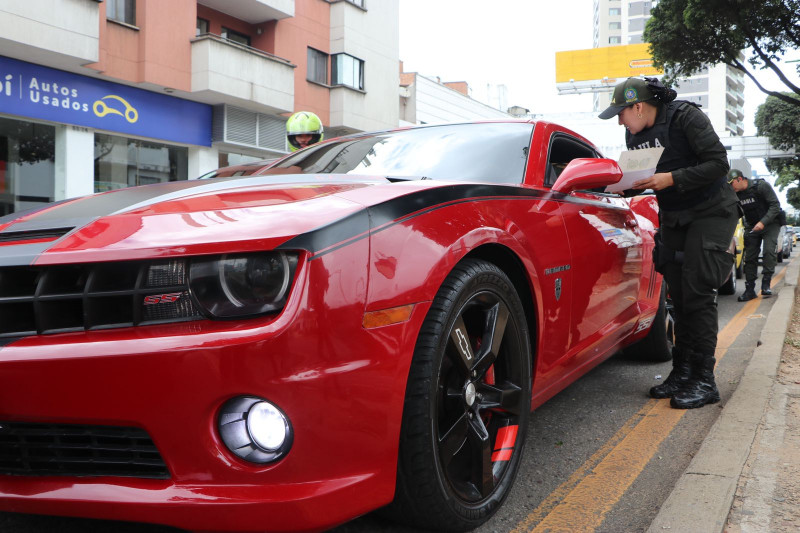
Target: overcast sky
{"x":513,"y":42}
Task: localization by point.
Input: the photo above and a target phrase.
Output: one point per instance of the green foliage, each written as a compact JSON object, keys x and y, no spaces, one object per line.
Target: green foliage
{"x":687,"y":35}
{"x":780,"y":122}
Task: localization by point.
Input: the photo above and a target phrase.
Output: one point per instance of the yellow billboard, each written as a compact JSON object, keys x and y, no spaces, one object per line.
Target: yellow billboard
{"x":598,"y":63}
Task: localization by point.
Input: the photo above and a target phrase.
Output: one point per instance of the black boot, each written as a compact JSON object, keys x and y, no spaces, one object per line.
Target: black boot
{"x":677,"y":377}
{"x":749,"y":292}
{"x":766,"y":292}
{"x":700,"y":389}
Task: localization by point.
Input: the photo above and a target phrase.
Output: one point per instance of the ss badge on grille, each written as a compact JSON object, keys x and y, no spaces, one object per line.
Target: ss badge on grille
{"x":558,"y":288}
{"x":161,"y":298}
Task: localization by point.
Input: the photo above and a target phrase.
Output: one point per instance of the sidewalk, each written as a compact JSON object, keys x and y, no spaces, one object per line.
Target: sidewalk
{"x":746,"y":475}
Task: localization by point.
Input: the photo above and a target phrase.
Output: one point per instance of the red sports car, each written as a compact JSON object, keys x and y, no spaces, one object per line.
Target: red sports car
{"x":367,"y":324}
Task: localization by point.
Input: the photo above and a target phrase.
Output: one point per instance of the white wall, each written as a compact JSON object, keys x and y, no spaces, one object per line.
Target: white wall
{"x":435,"y":103}
{"x":67,"y":29}
{"x":202,"y":159}
{"x":372,"y":35}
{"x":74,"y":169}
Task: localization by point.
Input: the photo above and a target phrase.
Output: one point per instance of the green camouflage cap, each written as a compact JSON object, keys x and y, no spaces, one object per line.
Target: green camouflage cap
{"x":626,"y":94}
{"x":735,"y":173}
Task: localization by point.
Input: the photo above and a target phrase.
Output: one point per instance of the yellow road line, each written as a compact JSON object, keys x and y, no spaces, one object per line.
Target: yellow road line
{"x":583,"y":500}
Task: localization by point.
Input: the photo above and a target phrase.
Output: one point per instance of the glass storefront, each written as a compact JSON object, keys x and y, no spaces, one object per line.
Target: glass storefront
{"x":27,"y":165}
{"x":121,"y":162}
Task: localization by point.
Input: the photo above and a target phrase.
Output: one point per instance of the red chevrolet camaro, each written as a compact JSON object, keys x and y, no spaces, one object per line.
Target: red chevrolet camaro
{"x":366,"y":324}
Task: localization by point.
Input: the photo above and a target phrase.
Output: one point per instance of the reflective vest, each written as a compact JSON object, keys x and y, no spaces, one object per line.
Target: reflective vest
{"x":677,"y":154}
{"x":754,"y":205}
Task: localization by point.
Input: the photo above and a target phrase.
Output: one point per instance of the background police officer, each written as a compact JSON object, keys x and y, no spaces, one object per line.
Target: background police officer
{"x":761,"y":209}
{"x":304,"y":128}
{"x":698,"y":214}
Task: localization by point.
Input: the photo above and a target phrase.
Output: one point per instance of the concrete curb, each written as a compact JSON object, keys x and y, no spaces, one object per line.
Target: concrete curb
{"x":702,"y":498}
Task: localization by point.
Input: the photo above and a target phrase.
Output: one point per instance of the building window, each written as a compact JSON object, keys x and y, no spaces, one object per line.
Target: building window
{"x":120,"y":162}
{"x":614,"y":39}
{"x":347,"y":70}
{"x":121,"y":11}
{"x":27,"y":165}
{"x":202,"y":27}
{"x":317,"y":66}
{"x":615,"y":25}
{"x":235,"y":36}
{"x":614,"y":11}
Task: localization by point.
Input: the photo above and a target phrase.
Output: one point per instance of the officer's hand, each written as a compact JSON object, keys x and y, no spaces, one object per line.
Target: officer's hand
{"x":657,"y":182}
{"x":758,"y":227}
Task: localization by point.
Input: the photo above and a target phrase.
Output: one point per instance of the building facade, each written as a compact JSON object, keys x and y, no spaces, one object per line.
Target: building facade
{"x":719,"y":89}
{"x":424,"y":100}
{"x":98,"y":95}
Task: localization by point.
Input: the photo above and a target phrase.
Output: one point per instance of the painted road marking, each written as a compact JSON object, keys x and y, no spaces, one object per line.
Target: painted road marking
{"x":583,"y":500}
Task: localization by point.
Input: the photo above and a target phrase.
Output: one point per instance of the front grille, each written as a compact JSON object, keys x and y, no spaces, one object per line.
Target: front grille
{"x":56,"y":299}
{"x":76,"y":450}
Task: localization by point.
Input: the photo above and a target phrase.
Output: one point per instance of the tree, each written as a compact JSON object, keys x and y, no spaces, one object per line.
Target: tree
{"x":780,"y":122}
{"x":687,"y":35}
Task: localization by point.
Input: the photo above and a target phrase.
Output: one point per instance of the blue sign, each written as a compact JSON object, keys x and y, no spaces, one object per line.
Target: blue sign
{"x":39,"y":92}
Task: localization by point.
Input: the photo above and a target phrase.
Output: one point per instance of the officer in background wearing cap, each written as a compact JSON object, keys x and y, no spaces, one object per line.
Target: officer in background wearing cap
{"x":761,"y":209}
{"x":304,"y":128}
{"x":698,"y":214}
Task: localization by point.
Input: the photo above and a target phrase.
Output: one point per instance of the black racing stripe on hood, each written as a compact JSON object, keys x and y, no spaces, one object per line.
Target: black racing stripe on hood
{"x":402,"y":206}
{"x":19,"y":214}
{"x":22,"y":254}
{"x":84,"y":210}
{"x":80,"y":212}
{"x":357,"y":225}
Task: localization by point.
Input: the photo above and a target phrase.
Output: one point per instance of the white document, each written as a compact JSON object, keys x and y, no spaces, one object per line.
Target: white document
{"x":636,"y":165}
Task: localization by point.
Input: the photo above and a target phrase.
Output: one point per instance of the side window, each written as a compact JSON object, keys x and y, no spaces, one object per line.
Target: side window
{"x":564,"y":149}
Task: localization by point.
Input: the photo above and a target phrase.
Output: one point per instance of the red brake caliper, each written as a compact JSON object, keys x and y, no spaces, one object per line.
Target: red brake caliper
{"x":504,"y":443}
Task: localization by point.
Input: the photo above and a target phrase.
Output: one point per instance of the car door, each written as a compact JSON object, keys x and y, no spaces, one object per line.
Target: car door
{"x":606,"y":249}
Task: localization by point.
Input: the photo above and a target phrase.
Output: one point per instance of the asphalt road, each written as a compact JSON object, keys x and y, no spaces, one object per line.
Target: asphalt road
{"x":600,"y":456}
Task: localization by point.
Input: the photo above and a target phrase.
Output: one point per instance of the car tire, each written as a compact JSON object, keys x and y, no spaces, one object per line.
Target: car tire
{"x":780,"y":256}
{"x":740,"y":269}
{"x":465,"y":416}
{"x":657,"y":345}
{"x":729,"y":287}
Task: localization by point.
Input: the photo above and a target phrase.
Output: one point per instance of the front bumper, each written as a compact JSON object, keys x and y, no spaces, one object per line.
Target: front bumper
{"x":341,"y":387}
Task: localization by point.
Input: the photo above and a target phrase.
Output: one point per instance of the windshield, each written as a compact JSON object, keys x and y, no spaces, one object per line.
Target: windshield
{"x":489,"y":152}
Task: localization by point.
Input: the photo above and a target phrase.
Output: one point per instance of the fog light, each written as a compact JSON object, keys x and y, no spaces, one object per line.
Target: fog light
{"x":254,"y":429}
{"x":267,"y":426}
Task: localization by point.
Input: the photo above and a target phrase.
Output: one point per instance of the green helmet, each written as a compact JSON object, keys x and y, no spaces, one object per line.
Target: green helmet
{"x":303,"y":123}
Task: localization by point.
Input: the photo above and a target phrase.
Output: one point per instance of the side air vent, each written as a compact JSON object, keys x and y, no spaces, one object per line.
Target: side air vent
{"x":40,"y":235}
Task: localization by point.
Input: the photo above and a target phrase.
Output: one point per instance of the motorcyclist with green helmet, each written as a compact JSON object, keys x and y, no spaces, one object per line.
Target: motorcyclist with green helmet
{"x":304,"y":128}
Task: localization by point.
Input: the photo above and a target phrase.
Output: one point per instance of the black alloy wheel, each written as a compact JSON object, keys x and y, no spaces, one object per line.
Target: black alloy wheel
{"x":467,"y":403}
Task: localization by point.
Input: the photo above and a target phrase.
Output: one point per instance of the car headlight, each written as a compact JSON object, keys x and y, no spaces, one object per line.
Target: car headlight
{"x":237,"y":285}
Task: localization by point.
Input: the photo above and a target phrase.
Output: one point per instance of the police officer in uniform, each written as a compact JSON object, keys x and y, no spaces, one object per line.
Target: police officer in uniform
{"x":698,"y":214}
{"x":761,"y":209}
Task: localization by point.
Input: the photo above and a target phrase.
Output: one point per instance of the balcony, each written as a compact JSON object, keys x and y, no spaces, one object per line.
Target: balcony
{"x":231,"y":73}
{"x":63,"y":34}
{"x":253,"y":11}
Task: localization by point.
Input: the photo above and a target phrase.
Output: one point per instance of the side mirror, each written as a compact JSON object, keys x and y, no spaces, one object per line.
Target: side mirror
{"x":587,"y":173}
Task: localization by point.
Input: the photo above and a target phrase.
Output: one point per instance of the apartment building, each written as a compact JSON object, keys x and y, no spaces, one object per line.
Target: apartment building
{"x":719,"y":89}
{"x":98,"y":95}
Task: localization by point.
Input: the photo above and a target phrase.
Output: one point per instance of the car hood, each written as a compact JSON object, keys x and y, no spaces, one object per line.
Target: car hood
{"x":183,"y":218}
